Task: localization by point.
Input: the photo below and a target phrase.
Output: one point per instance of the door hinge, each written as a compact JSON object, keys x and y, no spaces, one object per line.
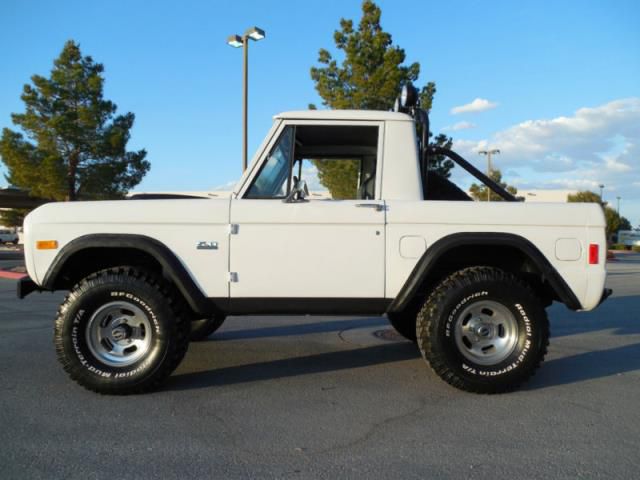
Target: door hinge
{"x":234,"y":228}
{"x":233,"y":277}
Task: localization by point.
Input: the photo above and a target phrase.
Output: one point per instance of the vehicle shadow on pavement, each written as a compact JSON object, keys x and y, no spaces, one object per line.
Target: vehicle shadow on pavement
{"x":619,"y":314}
{"x":292,"y":367}
{"x":298,"y":328}
{"x":587,"y":366}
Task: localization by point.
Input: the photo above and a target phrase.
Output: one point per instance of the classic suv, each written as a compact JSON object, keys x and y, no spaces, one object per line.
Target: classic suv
{"x":340,"y":212}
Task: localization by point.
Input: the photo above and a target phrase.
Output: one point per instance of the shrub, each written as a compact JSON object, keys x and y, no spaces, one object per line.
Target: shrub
{"x":617,"y":246}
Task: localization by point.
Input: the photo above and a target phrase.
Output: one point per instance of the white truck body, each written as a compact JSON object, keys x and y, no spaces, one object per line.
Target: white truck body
{"x":268,"y":248}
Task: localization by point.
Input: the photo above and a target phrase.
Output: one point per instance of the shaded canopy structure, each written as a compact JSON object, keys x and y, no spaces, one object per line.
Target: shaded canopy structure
{"x":16,"y":198}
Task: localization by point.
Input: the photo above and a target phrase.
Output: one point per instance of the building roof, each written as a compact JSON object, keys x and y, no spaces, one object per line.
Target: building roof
{"x":343,"y":115}
{"x":545,"y":195}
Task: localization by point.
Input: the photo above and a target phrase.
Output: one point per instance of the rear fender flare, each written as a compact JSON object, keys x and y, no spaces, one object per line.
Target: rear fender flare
{"x":441,"y":247}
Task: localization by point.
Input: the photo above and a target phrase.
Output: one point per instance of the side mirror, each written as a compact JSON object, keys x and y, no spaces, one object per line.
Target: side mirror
{"x":298,"y":192}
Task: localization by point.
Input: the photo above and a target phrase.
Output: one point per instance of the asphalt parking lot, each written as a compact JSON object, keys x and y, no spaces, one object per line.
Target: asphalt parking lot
{"x":327,"y":397}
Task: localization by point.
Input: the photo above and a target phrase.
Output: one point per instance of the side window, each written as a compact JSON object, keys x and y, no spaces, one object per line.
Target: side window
{"x":272,"y":181}
{"x":337,"y":162}
{"x":338,"y":178}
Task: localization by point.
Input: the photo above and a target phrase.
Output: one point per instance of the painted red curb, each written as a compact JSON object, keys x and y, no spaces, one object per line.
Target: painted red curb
{"x":12,"y":275}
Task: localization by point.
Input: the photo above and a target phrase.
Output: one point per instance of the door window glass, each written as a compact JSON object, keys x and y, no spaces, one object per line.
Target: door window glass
{"x":272,"y":180}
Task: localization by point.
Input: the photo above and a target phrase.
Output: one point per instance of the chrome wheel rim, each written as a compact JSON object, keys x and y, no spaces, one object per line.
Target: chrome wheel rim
{"x":486,"y":332}
{"x":119,"y":334}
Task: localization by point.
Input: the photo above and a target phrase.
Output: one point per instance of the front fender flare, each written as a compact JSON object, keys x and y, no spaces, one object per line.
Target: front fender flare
{"x":172,"y":267}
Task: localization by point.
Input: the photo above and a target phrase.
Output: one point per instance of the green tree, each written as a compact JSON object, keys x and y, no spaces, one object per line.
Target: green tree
{"x":370,"y":75}
{"x":479,"y":191}
{"x":614,"y":221}
{"x":13,"y":217}
{"x":584,"y":196}
{"x":340,"y":177}
{"x":76,"y":146}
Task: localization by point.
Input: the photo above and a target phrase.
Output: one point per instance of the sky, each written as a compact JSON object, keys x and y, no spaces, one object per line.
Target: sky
{"x":555,"y":85}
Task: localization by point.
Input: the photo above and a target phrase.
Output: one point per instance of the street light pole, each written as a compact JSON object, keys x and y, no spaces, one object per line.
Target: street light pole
{"x":601,"y":193}
{"x":618,"y":209}
{"x":238,"y":41}
{"x":488,"y":154}
{"x":245,"y":101}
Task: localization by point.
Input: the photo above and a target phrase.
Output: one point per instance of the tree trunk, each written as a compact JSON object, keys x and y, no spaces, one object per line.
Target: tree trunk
{"x":71,"y":177}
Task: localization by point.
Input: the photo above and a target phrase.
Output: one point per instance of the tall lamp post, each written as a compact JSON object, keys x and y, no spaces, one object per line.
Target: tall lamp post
{"x":488,"y":154}
{"x":601,"y":193}
{"x":618,"y":210}
{"x":237,"y":41}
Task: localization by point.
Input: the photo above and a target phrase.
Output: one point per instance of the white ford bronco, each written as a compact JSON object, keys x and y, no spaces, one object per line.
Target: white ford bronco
{"x":338,"y":213}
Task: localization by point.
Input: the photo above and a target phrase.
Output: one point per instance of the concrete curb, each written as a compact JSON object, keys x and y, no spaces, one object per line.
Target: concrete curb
{"x":12,"y":275}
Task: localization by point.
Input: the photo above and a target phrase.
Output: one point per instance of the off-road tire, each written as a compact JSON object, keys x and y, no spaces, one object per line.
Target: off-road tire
{"x":202,"y":328}
{"x":405,"y":324}
{"x":138,"y":297}
{"x":444,"y":337}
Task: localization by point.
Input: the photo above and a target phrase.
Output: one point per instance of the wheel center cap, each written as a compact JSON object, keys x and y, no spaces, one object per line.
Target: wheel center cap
{"x":483,"y":331}
{"x":120,"y":333}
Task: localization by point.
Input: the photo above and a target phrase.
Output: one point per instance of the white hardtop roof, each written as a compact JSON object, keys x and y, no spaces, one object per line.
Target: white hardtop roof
{"x":343,"y":115}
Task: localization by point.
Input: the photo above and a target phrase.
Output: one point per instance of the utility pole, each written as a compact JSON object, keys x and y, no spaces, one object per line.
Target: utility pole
{"x":488,"y":154}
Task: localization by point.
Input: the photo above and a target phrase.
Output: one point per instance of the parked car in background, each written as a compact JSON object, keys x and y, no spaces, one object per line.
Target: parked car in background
{"x":629,"y":238}
{"x":8,"y":236}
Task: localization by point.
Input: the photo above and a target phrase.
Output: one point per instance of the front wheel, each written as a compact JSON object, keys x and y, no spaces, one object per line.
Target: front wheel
{"x":121,"y":331}
{"x":483,"y":330}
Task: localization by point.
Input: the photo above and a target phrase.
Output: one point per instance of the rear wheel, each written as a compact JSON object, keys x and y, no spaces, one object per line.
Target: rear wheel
{"x":121,"y":331}
{"x":483,"y":330}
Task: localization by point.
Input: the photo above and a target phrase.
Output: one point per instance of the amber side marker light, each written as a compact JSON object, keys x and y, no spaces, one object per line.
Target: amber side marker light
{"x":47,"y":244}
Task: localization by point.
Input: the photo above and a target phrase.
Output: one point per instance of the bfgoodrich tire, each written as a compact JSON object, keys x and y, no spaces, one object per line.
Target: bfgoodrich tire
{"x":121,"y":331}
{"x":202,"y":328}
{"x":483,"y":330}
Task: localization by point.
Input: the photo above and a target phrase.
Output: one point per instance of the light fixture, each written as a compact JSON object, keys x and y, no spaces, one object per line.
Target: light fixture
{"x":255,"y":33}
{"x":408,"y":96}
{"x":235,"y":41}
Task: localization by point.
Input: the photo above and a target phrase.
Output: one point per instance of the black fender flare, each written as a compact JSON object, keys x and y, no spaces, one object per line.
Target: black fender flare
{"x":172,"y":267}
{"x":442,"y":246}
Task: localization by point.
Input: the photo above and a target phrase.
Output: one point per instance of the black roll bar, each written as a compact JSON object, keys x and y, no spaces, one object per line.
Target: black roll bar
{"x":496,"y":187}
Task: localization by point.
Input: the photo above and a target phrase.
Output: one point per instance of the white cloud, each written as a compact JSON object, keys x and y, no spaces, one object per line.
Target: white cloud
{"x":460,"y":126}
{"x":593,"y":146}
{"x":477,"y":105}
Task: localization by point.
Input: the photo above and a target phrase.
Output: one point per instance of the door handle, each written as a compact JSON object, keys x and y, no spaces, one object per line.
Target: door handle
{"x":377,"y":206}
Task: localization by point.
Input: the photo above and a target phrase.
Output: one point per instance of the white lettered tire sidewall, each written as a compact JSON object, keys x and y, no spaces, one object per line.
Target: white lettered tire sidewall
{"x":90,"y":295}
{"x":527,"y":344}
{"x":443,"y":309}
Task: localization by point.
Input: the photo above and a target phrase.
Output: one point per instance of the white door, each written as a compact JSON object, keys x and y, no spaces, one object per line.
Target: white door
{"x":315,"y":249}
{"x":319,"y":247}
